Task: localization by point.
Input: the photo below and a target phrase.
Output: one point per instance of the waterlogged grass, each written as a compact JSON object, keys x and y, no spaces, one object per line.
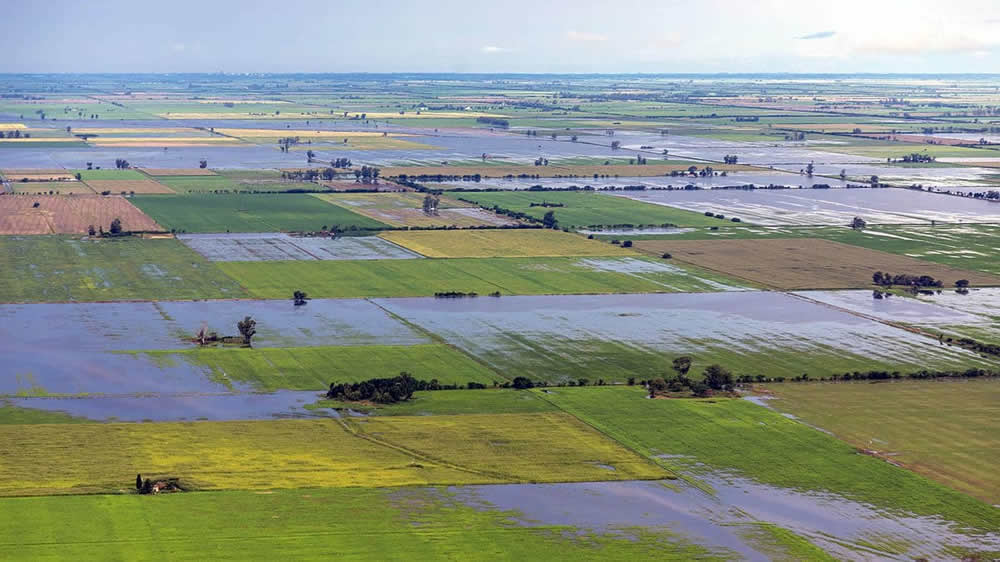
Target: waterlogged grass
{"x":249,"y":213}
{"x":349,"y":523}
{"x":582,"y":209}
{"x":509,"y":276}
{"x":754,"y":442}
{"x":501,"y":243}
{"x":314,"y":368}
{"x":15,"y":415}
{"x":52,"y":268}
{"x":398,"y":451}
{"x":944,"y":430}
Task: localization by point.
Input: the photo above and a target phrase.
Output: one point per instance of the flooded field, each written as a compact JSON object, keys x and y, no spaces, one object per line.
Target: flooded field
{"x":676,"y":182}
{"x":562,"y":336}
{"x":279,"y":246}
{"x":827,"y":206}
{"x":727,"y":520}
{"x":182,"y":407}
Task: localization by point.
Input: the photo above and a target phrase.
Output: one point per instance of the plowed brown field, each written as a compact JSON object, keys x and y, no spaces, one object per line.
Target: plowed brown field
{"x":68,"y":214}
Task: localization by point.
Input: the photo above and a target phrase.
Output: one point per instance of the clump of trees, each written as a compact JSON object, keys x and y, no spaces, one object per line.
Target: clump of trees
{"x":430,"y":205}
{"x":122,"y":164}
{"x":715,"y":378}
{"x":858,"y":223}
{"x":247,"y":328}
{"x":905,"y":279}
{"x":381,"y":391}
{"x":299,"y":298}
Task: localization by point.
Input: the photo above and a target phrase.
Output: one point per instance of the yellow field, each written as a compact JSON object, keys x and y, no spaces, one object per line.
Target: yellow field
{"x":137,"y":186}
{"x":281,"y":133}
{"x":42,"y":139}
{"x":255,"y":455}
{"x":268,"y":102}
{"x":43,"y":187}
{"x":131,"y":130}
{"x":11,"y":126}
{"x":243,"y":115}
{"x":160,"y":141}
{"x":501,"y":243}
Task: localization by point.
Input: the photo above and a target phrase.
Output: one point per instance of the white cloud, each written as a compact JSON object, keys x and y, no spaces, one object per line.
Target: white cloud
{"x":491,"y":49}
{"x":177,"y":47}
{"x":573,"y":35}
{"x":924,"y":44}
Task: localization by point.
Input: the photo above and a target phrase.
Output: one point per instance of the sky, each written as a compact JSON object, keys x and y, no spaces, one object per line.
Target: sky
{"x":537,"y":36}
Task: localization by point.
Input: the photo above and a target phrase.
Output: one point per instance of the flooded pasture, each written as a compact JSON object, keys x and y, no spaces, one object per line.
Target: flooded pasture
{"x":827,"y":206}
{"x":725,"y":520}
{"x":559,"y":335}
{"x":280,"y":247}
{"x":182,"y":407}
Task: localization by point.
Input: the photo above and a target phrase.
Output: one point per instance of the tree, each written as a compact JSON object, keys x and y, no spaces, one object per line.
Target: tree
{"x":809,"y":169}
{"x":203,"y":164}
{"x":138,"y":481}
{"x":522,"y":383}
{"x":718,"y":378}
{"x":858,"y":223}
{"x":299,"y":297}
{"x":656,"y":386}
{"x":116,"y":226}
{"x":962,"y":283}
{"x":91,"y":230}
{"x":309,"y":155}
{"x":682,"y":365}
{"x":247,"y":328}
{"x":549,"y":220}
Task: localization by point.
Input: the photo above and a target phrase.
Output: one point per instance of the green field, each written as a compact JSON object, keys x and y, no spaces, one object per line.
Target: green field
{"x":110,"y":174}
{"x":583,"y":209}
{"x":314,"y":368}
{"x":248,"y":213}
{"x":231,"y":181}
{"x":492,"y":401}
{"x":346,"y":523}
{"x":707,"y":436}
{"x":950,"y":446}
{"x":56,"y":268}
{"x":416,"y":278}
{"x":265,"y":455}
{"x":501,"y":243}
{"x":971,"y":246}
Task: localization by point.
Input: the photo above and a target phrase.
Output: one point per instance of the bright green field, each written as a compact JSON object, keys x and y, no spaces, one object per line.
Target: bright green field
{"x":314,"y":368}
{"x":964,"y":246}
{"x":53,"y":268}
{"x":111,"y":174}
{"x":233,"y":181}
{"x":957,"y":445}
{"x":584,"y":209}
{"x":345,"y":523}
{"x":493,"y":401}
{"x":10,"y":414}
{"x":248,"y":213}
{"x":761,"y":444}
{"x":416,"y":278}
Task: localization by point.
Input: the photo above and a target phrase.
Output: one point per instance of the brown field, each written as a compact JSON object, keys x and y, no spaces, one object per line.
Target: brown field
{"x":583,"y":171}
{"x":70,"y":214}
{"x":42,"y":187}
{"x":405,"y":209}
{"x":138,"y":186}
{"x":167,"y":172}
{"x":804,"y":263}
{"x":38,"y":175}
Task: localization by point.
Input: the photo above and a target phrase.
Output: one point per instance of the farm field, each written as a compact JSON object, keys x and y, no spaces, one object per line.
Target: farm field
{"x":405,"y":209}
{"x":813,"y":207}
{"x":945,"y":447}
{"x":56,"y":214}
{"x":803,"y":263}
{"x":501,"y":243}
{"x":232,"y":182}
{"x":51,"y":188}
{"x":144,"y":186}
{"x":56,"y":269}
{"x":582,"y":209}
{"x":557,"y":169}
{"x":313,"y":523}
{"x":614,"y":337}
{"x":249,"y":213}
{"x":314,"y":368}
{"x":275,"y":246}
{"x":390,"y":451}
{"x":718,"y":443}
{"x":413,"y":278}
